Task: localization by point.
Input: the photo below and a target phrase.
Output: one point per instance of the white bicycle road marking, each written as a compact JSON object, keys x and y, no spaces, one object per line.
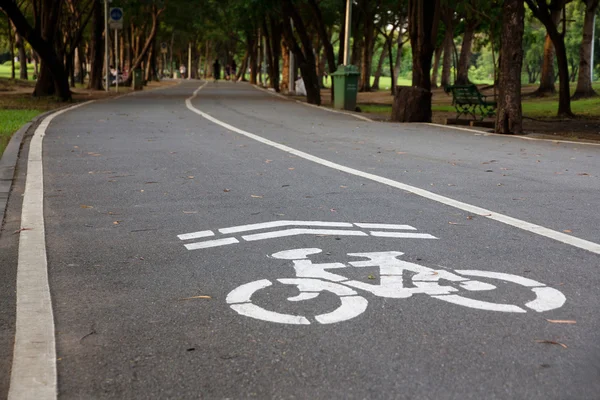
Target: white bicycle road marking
{"x":389,"y":233}
{"x":505,"y":219}
{"x":314,"y":278}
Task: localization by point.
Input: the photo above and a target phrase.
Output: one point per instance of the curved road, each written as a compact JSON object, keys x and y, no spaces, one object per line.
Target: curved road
{"x":168,"y":220}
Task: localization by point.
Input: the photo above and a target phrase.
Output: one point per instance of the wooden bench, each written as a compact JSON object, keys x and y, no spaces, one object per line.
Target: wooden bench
{"x":468,"y":100}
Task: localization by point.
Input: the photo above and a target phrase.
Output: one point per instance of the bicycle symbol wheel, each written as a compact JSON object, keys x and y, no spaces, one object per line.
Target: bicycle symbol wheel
{"x":351,"y":304}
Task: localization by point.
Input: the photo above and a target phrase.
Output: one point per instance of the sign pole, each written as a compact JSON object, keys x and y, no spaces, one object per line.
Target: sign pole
{"x":347,"y":37}
{"x":107,"y":83}
{"x":117,"y":56}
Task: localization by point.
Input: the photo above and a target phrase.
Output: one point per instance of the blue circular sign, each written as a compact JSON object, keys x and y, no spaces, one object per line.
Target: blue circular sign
{"x":116,"y":14}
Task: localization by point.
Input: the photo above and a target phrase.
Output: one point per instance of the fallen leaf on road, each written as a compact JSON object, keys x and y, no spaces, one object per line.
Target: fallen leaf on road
{"x":227,"y":190}
{"x":583,"y":174}
{"x":256,"y":196}
{"x":21,"y":230}
{"x":268,"y":161}
{"x":551,"y":342}
{"x":343,"y":187}
{"x":291,"y":169}
{"x":112,"y":213}
{"x":568,"y":231}
{"x":148,"y":183}
{"x":469,"y":217}
{"x":116,"y":222}
{"x":562,"y":321}
{"x":84,"y":206}
{"x":371,"y":277}
{"x":333,"y":210}
{"x":196,"y":297}
{"x":191,"y":177}
{"x":454,"y":223}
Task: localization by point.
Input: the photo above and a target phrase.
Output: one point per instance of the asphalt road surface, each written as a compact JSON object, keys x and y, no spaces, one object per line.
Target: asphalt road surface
{"x":275,"y":250}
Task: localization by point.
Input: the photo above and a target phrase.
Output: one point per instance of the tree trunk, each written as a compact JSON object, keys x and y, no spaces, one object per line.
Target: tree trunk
{"x":548,"y":77}
{"x":436,"y":65}
{"x":411,"y":104}
{"x":464,"y":61}
{"x":22,"y":56}
{"x":137,"y":62}
{"x":379,"y":71}
{"x":564,"y":95}
{"x":304,"y":55}
{"x":285,"y":71}
{"x":509,"y":112}
{"x":584,"y":82}
{"x":398,"y":63}
{"x":97,"y":48}
{"x":424,"y":17}
{"x":367,"y":52}
{"x":11,"y":44}
{"x":448,"y":47}
{"x":253,"y":49}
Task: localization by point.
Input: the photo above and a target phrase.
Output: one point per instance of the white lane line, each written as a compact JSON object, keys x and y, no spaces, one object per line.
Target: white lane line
{"x":33,"y":374}
{"x":385,"y":226}
{"x":278,"y":224}
{"x":517,"y":223}
{"x":211,"y":243}
{"x":403,"y":235}
{"x":195,"y":235}
{"x":300,"y":231}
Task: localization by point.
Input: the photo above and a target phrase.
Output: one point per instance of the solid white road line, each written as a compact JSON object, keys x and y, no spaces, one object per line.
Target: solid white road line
{"x":196,"y":235}
{"x":403,"y":235}
{"x":211,"y":243}
{"x":301,"y":231}
{"x":278,"y":224}
{"x":33,"y":374}
{"x":517,"y":223}
{"x":385,"y":226}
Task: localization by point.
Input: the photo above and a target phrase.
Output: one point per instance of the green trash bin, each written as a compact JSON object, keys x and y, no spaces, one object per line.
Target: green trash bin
{"x":138,"y":82}
{"x":345,"y":81}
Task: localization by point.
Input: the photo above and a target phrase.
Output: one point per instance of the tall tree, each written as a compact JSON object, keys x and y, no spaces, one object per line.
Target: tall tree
{"x":584,"y":82}
{"x":97,"y":48}
{"x":414,"y":104}
{"x":52,"y":79}
{"x":509,"y":113}
{"x":548,"y":76}
{"x":543,"y":11}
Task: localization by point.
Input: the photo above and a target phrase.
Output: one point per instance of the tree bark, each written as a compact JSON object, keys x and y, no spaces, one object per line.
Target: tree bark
{"x":137,"y":62}
{"x":367,"y":49}
{"x":509,"y":112}
{"x":448,"y":18}
{"x":304,"y":55}
{"x":464,"y":61}
{"x":52,"y":78}
{"x":379,"y":71}
{"x":436,"y":65}
{"x":22,"y":56}
{"x":253,"y":49}
{"x":542,"y":11}
{"x":548,"y":76}
{"x":424,"y":18}
{"x":285,"y":70}
{"x":398,"y":63}
{"x":11,"y":45}
{"x":97,"y":48}
{"x":584,"y":81}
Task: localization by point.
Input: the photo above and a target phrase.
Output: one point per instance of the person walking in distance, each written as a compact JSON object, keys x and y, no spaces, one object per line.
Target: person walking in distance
{"x":216,"y":71}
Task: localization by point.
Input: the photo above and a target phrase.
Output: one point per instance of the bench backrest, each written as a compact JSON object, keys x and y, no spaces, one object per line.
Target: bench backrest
{"x":465,"y":94}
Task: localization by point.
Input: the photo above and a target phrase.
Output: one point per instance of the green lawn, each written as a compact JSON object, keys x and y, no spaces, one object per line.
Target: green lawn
{"x":12,"y":120}
{"x":5,"y":70}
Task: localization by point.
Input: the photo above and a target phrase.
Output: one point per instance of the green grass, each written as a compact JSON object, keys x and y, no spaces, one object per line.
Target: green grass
{"x":5,"y":70}
{"x":12,"y":120}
